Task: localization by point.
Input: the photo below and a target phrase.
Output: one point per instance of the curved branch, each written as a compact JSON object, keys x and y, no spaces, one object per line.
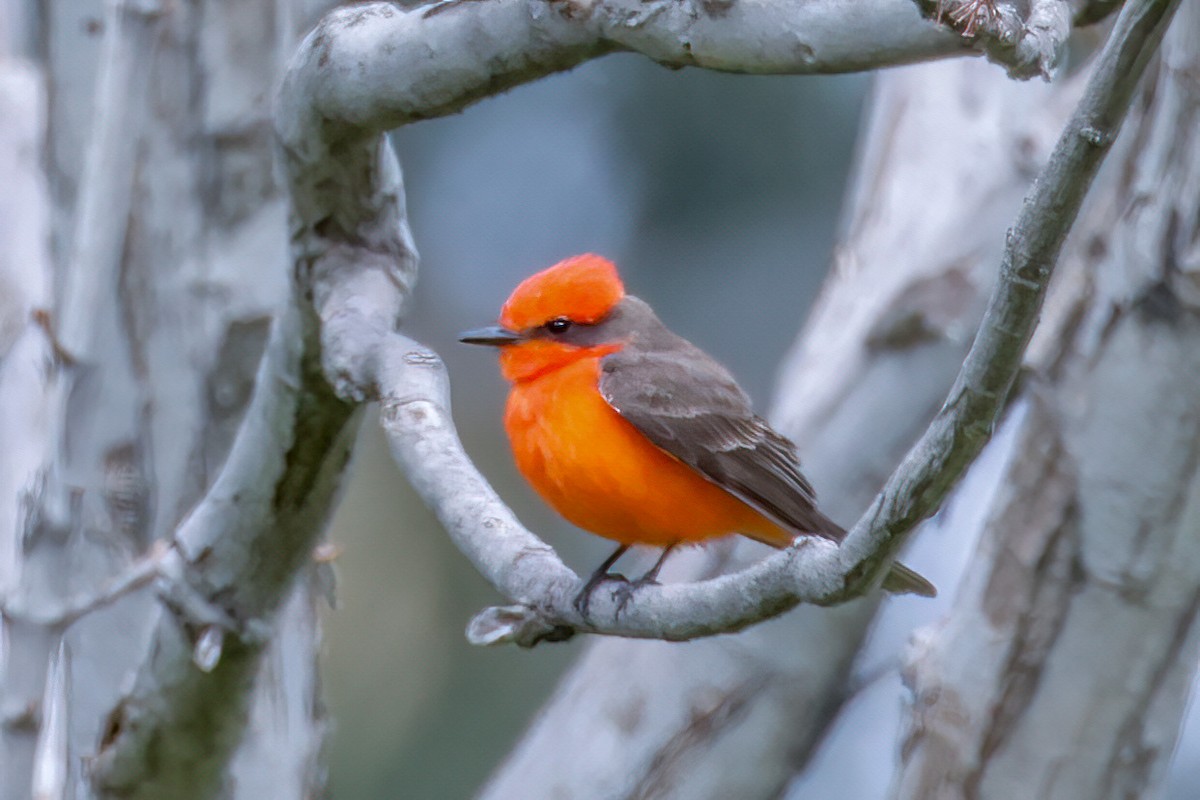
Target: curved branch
{"x":376,"y":66}
{"x":523,"y":568}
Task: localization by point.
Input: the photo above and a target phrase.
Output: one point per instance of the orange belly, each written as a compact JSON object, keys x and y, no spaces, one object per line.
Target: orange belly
{"x":600,"y":473}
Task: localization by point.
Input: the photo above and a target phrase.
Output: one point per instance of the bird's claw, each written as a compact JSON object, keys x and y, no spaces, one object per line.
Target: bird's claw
{"x":625,"y":592}
{"x":583,"y":600}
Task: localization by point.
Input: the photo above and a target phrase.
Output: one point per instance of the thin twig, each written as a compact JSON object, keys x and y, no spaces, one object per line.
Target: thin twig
{"x":140,"y":574}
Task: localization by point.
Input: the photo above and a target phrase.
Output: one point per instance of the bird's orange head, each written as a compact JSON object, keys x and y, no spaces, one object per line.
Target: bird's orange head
{"x":582,"y":289}
{"x":535,"y":321}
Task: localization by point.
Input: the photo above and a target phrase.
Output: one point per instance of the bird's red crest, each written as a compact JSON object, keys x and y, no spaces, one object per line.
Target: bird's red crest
{"x":582,"y":288}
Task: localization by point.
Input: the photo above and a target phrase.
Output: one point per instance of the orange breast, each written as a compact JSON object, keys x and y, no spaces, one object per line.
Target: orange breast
{"x":600,"y":473}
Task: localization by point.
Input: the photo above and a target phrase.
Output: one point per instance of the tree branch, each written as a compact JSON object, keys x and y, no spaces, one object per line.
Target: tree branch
{"x":140,"y":574}
{"x":911,"y":274}
{"x":1089,"y":543}
{"x":240,"y":551}
{"x":26,"y":350}
{"x":523,"y":568}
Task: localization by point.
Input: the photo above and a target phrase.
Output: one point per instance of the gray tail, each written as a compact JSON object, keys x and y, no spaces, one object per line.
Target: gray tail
{"x":901,"y":579}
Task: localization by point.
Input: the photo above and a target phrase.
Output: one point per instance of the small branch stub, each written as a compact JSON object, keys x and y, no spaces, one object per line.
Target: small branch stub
{"x":516,"y":624}
{"x":207,"y":652}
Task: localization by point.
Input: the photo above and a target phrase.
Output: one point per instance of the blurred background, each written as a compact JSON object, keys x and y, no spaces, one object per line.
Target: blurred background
{"x":718,"y":197}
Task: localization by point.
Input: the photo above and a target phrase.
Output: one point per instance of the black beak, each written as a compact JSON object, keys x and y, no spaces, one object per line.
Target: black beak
{"x":493,"y":335}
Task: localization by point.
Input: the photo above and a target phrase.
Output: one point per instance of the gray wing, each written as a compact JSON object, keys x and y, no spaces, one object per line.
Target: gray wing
{"x":689,"y":405}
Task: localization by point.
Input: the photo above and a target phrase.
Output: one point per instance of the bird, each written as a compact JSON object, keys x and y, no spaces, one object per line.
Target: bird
{"x":633,"y":433}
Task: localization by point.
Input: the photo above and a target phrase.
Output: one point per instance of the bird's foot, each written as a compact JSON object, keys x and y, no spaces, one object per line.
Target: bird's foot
{"x":626,"y":588}
{"x":583,"y":600}
{"x":625,"y":592}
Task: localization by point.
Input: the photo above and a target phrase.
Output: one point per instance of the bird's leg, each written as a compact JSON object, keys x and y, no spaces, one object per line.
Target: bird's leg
{"x":651,"y":575}
{"x":584,"y":598}
{"x":624,"y":592}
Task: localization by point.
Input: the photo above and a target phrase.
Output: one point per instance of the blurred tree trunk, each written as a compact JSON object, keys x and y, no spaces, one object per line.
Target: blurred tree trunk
{"x":1065,"y":666}
{"x":143,"y":254}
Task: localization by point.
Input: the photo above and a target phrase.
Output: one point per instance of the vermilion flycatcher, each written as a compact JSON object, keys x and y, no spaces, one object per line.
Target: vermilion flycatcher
{"x":634,"y":433}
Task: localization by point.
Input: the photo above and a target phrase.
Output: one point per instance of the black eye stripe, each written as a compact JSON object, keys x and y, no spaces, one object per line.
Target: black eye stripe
{"x":558,"y":325}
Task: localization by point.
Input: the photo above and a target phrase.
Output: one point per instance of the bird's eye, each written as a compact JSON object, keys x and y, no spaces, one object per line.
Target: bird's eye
{"x":558,"y":325}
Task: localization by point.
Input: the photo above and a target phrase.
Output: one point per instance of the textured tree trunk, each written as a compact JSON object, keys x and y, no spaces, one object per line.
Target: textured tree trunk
{"x":1064,"y":668}
{"x":143,"y":255}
